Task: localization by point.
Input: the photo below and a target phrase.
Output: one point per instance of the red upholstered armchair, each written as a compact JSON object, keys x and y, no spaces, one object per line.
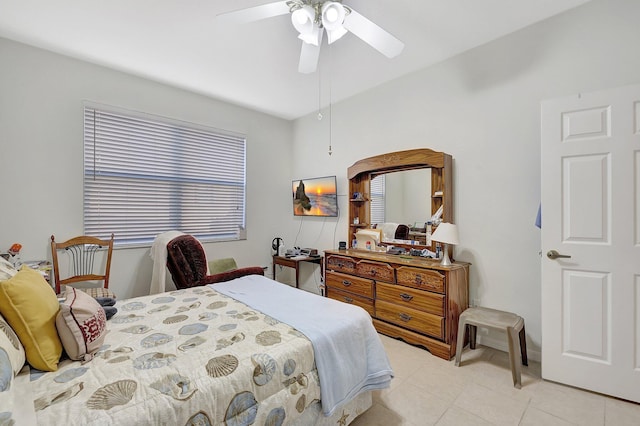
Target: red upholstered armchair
{"x":187,"y":264}
{"x":402,"y":232}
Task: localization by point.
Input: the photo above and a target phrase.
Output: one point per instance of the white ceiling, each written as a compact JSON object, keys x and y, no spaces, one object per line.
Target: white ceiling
{"x":180,"y":42}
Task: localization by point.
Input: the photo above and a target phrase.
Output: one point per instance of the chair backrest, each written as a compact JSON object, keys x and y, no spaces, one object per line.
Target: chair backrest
{"x":402,"y":232}
{"x":82,"y":256}
{"x":186,"y":261}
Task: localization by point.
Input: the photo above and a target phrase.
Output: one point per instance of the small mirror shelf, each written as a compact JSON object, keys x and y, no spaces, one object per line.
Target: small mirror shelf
{"x":378,"y":193}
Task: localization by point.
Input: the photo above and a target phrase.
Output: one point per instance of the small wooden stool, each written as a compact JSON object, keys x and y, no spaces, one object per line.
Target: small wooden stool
{"x":498,"y":320}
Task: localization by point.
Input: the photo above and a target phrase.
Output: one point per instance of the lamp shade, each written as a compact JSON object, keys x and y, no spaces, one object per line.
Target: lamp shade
{"x":303,"y":19}
{"x":333,"y":14}
{"x":446,"y":233}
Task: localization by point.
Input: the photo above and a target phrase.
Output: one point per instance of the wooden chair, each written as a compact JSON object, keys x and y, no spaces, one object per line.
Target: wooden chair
{"x":81,"y":252}
{"x":187,"y":263}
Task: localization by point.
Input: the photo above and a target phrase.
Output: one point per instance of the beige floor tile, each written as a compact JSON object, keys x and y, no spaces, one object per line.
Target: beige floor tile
{"x":404,"y":358}
{"x":392,"y":345}
{"x":457,"y":417}
{"x":440,"y":381}
{"x":415,"y":405}
{"x":471,"y":356}
{"x":403,"y":365}
{"x":570,"y":404}
{"x":474,"y":364}
{"x":621,"y":413}
{"x":535,"y":417}
{"x":490,"y":405}
{"x":495,"y":373}
{"x":379,"y":415}
{"x":380,"y":396}
{"x":428,"y":390}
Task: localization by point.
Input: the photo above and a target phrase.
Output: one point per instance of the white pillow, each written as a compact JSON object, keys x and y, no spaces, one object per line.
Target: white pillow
{"x":10,"y":349}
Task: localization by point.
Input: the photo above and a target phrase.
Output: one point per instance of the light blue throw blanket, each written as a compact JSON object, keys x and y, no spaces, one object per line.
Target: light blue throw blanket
{"x":349,"y":354}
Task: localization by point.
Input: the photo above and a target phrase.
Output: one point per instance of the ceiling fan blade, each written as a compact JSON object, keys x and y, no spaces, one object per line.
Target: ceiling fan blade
{"x":309,"y":55}
{"x":373,"y":35}
{"x":256,"y":13}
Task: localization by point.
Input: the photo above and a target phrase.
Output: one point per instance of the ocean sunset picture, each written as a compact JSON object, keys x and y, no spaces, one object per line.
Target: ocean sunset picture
{"x":315,"y":197}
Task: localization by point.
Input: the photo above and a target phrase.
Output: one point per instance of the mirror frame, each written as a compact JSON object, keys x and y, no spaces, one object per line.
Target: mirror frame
{"x":360,"y":173}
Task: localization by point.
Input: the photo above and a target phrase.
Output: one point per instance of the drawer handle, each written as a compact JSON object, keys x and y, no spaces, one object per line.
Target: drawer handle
{"x":405,"y":317}
{"x":346,"y":283}
{"x":348,"y":300}
{"x":418,"y":279}
{"x":373,"y":272}
{"x":406,"y":297}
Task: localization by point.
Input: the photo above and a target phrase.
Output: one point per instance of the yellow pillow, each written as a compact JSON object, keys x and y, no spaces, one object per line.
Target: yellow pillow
{"x":30,"y":306}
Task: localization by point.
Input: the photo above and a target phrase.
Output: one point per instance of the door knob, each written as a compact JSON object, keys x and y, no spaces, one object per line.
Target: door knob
{"x":552,"y":254}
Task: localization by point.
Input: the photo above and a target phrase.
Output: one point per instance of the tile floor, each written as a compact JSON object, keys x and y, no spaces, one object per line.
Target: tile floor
{"x":427,"y":390}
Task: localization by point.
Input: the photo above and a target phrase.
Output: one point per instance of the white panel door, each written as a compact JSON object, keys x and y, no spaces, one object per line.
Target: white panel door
{"x":591,"y":212}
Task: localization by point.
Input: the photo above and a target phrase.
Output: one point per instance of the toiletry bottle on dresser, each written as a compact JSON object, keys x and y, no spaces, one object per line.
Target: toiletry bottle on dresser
{"x":438,"y":251}
{"x":428,"y":232}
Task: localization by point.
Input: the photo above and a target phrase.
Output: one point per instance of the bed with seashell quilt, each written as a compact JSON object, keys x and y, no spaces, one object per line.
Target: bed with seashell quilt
{"x":199,"y":356}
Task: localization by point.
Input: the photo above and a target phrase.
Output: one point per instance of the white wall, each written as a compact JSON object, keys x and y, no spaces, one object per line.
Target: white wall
{"x":41,"y":95}
{"x":483,"y":108}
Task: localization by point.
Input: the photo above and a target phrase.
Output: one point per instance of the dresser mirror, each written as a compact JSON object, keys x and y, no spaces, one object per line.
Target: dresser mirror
{"x":402,"y":197}
{"x":404,"y":187}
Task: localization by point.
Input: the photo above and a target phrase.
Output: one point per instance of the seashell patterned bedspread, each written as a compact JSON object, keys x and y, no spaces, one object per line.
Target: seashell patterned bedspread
{"x":187,"y":357}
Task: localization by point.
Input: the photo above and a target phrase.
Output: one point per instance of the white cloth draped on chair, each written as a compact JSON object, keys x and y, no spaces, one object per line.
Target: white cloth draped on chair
{"x":158,"y":253}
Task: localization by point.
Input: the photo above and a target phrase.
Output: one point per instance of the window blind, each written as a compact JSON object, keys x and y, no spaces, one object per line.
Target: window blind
{"x":144,"y":175}
{"x":376,"y":208}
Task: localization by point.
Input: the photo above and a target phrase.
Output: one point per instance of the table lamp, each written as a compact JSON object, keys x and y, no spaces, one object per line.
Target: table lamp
{"x":446,"y":233}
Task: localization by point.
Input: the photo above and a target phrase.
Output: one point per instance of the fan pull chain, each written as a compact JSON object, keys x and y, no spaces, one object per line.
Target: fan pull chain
{"x":319,"y":92}
{"x":330,"y":100}
{"x":330,"y":132}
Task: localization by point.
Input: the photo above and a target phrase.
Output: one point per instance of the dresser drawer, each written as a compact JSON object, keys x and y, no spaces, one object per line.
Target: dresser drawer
{"x":410,"y":298}
{"x":375,"y":270}
{"x":424,"y":279}
{"x":341,"y":263}
{"x":349,"y":283}
{"x":343,"y":296}
{"x":413,"y":319}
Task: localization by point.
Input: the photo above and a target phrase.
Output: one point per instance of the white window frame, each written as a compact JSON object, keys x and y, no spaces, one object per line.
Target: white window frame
{"x":145,"y":174}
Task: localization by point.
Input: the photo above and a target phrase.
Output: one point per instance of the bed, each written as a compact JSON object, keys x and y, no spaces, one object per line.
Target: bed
{"x":235,"y":353}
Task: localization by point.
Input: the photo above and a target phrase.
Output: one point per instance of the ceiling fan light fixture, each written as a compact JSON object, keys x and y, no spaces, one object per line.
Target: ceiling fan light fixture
{"x":303,"y":19}
{"x":333,"y":14}
{"x":312,"y":17}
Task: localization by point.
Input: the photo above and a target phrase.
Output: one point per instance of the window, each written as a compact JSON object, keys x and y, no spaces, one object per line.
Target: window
{"x":377,"y":199}
{"x":144,"y":175}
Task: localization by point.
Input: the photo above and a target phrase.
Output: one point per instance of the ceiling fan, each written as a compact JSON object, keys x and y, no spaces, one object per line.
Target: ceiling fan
{"x":312,"y":18}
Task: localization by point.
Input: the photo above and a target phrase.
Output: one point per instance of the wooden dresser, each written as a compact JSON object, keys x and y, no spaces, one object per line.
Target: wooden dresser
{"x":411,"y":298}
